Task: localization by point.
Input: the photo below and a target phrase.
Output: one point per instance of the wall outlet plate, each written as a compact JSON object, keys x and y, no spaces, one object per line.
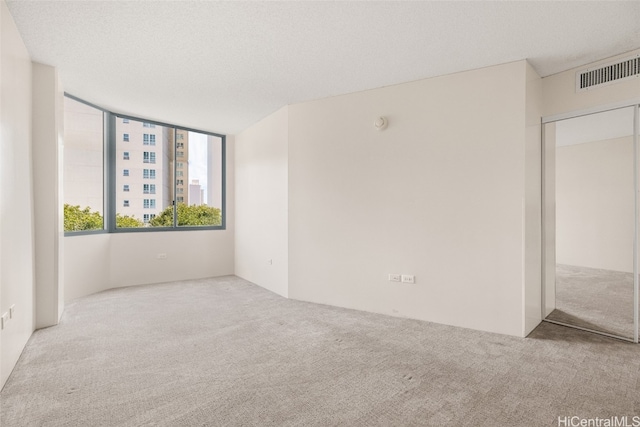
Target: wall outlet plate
{"x":408,"y":278}
{"x":3,"y":320}
{"x":11,"y":310}
{"x":394,"y":277}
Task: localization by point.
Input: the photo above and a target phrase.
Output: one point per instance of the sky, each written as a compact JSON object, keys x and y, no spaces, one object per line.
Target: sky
{"x":198,"y":160}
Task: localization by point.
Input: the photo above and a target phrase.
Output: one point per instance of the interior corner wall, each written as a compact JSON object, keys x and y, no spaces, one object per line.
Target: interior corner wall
{"x":97,"y":262}
{"x":262,"y":203}
{"x":440,"y":194}
{"x":48,"y":224}
{"x":16,"y":206}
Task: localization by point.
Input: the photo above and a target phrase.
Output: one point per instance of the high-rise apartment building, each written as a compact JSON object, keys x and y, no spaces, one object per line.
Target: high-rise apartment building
{"x":143,"y":165}
{"x":182,"y":166}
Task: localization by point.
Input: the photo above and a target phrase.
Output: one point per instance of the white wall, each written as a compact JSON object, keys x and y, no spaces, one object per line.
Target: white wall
{"x":440,"y":194}
{"x":87,"y":265}
{"x":560,"y":96}
{"x":16,"y":205}
{"x":595,"y":205}
{"x":261,"y":203}
{"x":47,"y":183}
{"x":97,"y":262}
{"x":190,"y":255}
{"x":533,"y":203}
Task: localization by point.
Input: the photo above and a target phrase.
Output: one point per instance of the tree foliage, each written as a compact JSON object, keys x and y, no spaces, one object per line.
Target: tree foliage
{"x":195,"y":215}
{"x":126,"y":221}
{"x":76,"y":219}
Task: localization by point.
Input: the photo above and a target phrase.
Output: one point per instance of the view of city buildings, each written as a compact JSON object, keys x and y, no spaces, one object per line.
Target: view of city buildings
{"x":148,"y":167}
{"x":143,"y":166}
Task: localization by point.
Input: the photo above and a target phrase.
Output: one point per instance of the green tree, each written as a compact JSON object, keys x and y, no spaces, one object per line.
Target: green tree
{"x":126,"y":221}
{"x":76,"y":219}
{"x":196,"y":215}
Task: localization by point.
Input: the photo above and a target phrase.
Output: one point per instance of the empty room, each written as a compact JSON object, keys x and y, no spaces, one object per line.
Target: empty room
{"x":248,"y":213}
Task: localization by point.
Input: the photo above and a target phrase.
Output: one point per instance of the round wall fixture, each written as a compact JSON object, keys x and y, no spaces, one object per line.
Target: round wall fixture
{"x":380,"y":123}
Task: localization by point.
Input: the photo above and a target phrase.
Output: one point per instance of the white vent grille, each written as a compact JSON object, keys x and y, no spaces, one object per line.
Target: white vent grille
{"x":607,"y":74}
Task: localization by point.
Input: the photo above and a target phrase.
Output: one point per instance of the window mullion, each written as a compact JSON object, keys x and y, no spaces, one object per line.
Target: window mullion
{"x":110,"y":168}
{"x":175,"y":178}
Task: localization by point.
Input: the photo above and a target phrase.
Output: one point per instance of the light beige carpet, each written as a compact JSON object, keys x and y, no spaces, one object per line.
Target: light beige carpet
{"x":224,"y":352}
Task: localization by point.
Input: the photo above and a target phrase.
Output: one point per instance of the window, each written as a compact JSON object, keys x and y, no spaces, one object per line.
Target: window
{"x":149,"y":189}
{"x":202,"y":176}
{"x":180,"y":190}
{"x":180,"y":153}
{"x":148,"y":139}
{"x":148,"y":217}
{"x":149,"y":157}
{"x":148,"y":174}
{"x":83,"y":167}
{"x":199,"y":173}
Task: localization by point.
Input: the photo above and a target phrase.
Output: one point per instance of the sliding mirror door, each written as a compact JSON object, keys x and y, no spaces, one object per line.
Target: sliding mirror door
{"x":591,"y":222}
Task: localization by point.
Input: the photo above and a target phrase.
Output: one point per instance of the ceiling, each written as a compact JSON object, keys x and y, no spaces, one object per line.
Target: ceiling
{"x":222,"y":66}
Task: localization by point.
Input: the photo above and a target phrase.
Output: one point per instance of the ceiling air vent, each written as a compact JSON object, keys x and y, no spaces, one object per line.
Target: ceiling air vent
{"x":615,"y":72}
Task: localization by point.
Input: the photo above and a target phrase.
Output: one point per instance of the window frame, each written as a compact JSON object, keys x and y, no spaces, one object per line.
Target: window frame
{"x":110,"y":175}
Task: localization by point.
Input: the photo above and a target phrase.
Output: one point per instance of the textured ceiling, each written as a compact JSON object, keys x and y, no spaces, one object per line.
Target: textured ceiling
{"x":222,"y":66}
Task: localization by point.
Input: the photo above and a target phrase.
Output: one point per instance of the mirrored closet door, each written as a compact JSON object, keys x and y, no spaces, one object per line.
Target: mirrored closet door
{"x":591,"y":222}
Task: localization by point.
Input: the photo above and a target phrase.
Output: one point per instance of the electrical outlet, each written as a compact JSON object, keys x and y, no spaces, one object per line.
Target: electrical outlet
{"x":3,"y":320}
{"x":162,"y":256}
{"x":11,"y":310}
{"x":394,"y":277}
{"x":408,"y":278}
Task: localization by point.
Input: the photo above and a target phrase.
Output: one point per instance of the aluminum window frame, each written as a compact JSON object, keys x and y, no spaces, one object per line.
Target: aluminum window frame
{"x":109,"y":159}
